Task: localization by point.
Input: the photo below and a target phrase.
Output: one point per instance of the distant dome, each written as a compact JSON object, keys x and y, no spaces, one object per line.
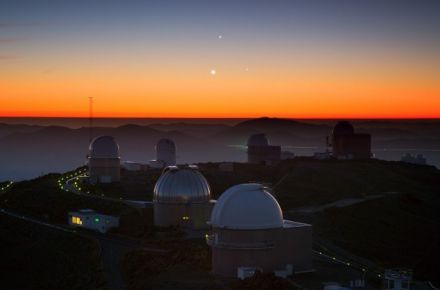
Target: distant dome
{"x":104,"y":147}
{"x":182,"y":185}
{"x":166,"y":151}
{"x":165,"y":143}
{"x":258,"y":140}
{"x":343,"y":128}
{"x":247,"y":207}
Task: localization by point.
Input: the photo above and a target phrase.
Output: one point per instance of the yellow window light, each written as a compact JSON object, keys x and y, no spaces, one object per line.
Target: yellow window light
{"x":76,"y":220}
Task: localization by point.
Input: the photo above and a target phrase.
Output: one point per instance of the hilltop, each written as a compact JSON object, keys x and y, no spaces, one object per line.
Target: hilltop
{"x":398,"y":226}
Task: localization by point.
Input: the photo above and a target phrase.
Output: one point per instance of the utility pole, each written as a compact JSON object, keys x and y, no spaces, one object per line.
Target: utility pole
{"x":90,"y":119}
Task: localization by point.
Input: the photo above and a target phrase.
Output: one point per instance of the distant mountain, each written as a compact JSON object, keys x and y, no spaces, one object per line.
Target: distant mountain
{"x":28,"y":151}
{"x":279,"y":131}
{"x":270,"y":123}
{"x":193,"y":129}
{"x":6,"y":129}
{"x":56,"y":149}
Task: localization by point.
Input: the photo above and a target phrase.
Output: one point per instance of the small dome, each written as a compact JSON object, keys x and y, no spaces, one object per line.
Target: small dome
{"x":165,"y":144}
{"x":247,"y":207}
{"x":182,"y":185}
{"x":166,"y":151}
{"x":104,"y":147}
{"x":343,"y":128}
{"x":258,"y":140}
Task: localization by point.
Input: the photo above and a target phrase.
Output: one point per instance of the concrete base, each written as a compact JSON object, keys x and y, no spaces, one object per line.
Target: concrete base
{"x":270,"y":250}
{"x":190,"y":215}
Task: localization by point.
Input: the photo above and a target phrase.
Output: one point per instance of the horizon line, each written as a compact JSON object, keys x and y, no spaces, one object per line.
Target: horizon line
{"x":242,"y":117}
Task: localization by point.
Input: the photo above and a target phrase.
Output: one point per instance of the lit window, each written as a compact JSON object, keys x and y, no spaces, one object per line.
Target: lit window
{"x":76,"y":220}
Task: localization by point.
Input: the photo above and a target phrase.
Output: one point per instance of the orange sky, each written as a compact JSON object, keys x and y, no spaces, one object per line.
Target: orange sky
{"x":362,"y":91}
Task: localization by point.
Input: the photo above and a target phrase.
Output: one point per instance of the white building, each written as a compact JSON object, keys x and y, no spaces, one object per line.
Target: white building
{"x":156,"y":164}
{"x":89,"y":219}
{"x":414,"y":159}
{"x":104,"y":161}
{"x":249,"y":232}
{"x":397,"y":279}
{"x":133,"y":166}
{"x":166,"y":152}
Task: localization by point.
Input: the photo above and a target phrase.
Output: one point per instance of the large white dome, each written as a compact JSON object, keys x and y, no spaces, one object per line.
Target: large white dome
{"x":247,"y":207}
{"x":182,"y":185}
{"x":104,"y":147}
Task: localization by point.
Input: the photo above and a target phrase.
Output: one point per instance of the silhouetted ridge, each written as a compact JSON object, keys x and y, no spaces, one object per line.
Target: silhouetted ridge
{"x":266,"y":122}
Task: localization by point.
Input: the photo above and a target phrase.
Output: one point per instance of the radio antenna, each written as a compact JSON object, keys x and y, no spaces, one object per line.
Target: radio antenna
{"x":90,"y":119}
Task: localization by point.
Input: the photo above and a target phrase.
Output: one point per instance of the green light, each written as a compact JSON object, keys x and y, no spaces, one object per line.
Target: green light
{"x":97,"y":220}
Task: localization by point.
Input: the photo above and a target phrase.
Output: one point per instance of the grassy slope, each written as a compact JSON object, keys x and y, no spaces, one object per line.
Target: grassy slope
{"x":35,"y":257}
{"x":43,"y":199}
{"x":311,"y":182}
{"x":401,"y":230}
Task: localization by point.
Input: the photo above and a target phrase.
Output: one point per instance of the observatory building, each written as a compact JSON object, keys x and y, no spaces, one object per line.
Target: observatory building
{"x":249,"y":232}
{"x":166,"y":152}
{"x":260,"y":152}
{"x":347,"y":144}
{"x":103,"y":160}
{"x":182,"y":197}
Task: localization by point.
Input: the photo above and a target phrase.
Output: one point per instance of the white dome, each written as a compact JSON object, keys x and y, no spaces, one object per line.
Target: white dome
{"x":247,"y":207}
{"x":166,"y":151}
{"x":104,"y":147}
{"x":258,"y":140}
{"x":182,"y":185}
{"x":166,"y":144}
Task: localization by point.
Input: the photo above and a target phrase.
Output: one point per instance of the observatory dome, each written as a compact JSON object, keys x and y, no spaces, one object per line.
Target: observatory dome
{"x":104,"y":147}
{"x":182,"y":185}
{"x":258,"y":140}
{"x":165,"y":144}
{"x":247,"y":207}
{"x":343,"y":128}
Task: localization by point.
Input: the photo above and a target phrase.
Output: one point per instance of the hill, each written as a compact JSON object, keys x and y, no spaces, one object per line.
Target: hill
{"x":36,"y":257}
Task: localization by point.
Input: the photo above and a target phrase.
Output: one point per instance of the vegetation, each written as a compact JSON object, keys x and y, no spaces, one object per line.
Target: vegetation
{"x":402,"y":230}
{"x":296,"y":183}
{"x":184,"y":264}
{"x":305,"y":182}
{"x":399,"y":229}
{"x":43,"y":198}
{"x":262,"y":281}
{"x":37,"y":257}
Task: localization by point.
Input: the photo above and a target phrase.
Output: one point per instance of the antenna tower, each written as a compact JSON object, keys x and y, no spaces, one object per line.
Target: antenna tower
{"x":90,"y":119}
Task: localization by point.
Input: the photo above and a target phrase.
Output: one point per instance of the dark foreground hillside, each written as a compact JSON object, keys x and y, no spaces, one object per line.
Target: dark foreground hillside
{"x":36,"y":257}
{"x":396,"y":231}
{"x":395,"y":222}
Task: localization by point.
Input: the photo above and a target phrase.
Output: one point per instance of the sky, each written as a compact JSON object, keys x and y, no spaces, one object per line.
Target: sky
{"x":279,"y":58}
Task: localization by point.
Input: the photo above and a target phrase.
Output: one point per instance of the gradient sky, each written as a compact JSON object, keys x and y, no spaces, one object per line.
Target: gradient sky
{"x":299,"y":59}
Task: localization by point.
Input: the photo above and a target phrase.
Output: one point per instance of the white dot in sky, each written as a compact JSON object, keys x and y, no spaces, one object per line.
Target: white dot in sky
{"x":220,"y":36}
{"x":246,"y":69}
{"x":213,"y":72}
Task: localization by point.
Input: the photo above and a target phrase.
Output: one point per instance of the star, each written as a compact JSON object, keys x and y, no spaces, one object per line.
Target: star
{"x":213,"y":72}
{"x":220,"y":36}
